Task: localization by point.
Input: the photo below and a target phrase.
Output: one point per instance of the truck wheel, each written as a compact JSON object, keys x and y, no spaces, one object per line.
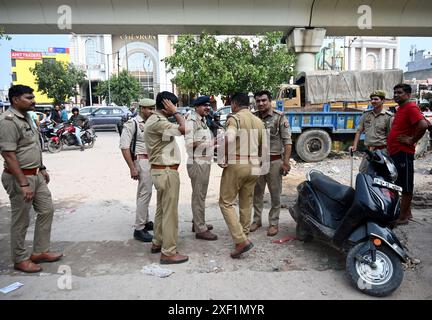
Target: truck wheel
{"x":422,"y":146}
{"x":313,"y":145}
{"x":380,"y":280}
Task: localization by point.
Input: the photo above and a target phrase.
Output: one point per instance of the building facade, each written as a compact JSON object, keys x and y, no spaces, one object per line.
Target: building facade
{"x":105,"y":55}
{"x":420,"y":66}
{"x":369,"y":53}
{"x":23,"y":61}
{"x":358,"y":53}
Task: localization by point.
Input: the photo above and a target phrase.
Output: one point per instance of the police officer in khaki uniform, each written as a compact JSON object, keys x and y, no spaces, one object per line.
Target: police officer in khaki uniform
{"x":375,"y":124}
{"x":164,"y":157}
{"x":25,"y":180}
{"x":243,"y":142}
{"x":132,"y":141}
{"x":200,"y":146}
{"x":280,"y":151}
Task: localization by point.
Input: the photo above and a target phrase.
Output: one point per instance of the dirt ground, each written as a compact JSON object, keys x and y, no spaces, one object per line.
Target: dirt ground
{"x":94,"y":199}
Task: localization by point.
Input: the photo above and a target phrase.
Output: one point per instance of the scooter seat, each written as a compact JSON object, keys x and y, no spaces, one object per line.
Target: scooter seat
{"x":331,"y":188}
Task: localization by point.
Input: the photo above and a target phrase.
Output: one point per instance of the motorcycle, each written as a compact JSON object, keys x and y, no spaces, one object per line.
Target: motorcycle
{"x":65,"y":135}
{"x":46,"y":133}
{"x":357,"y":222}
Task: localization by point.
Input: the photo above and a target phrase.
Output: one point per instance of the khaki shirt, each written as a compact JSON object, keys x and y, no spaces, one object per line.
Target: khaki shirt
{"x":128,"y":134}
{"x":375,"y":127}
{"x":280,"y":131}
{"x":159,"y":136}
{"x":18,"y":134}
{"x":248,"y":130}
{"x":197,"y":130}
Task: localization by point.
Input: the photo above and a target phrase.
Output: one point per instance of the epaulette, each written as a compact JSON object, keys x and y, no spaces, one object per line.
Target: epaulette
{"x":391,"y":114}
{"x":9,"y":116}
{"x":279,"y":112}
{"x":192,"y":117}
{"x":236,"y":118}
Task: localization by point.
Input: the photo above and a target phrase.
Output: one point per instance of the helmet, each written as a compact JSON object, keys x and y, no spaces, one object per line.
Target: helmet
{"x":75,"y":109}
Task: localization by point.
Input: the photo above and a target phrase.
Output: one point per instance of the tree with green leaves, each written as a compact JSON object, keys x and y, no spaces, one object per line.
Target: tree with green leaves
{"x":124,"y":89}
{"x":58,"y":80}
{"x":208,"y":66}
{"x":3,"y":35}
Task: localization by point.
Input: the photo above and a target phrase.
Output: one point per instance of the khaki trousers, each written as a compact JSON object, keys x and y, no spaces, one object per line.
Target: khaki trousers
{"x":144,"y":193}
{"x":237,"y":179}
{"x":42,"y":204}
{"x":273,"y":179}
{"x":199,"y":175}
{"x":165,"y":229}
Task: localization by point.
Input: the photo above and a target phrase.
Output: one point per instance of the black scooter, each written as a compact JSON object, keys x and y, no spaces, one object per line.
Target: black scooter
{"x":356,"y":221}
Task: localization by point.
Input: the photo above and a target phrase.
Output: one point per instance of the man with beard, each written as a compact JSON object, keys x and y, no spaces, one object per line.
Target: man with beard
{"x":408,"y":127}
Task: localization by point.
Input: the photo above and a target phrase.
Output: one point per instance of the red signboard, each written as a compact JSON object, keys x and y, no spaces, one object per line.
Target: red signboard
{"x":22,"y":55}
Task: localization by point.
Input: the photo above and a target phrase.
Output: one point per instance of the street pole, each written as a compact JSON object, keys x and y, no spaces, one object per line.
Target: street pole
{"x":118,"y":62}
{"x":108,"y":74}
{"x":88,"y":69}
{"x":90,"y":89}
{"x":109,"y":82}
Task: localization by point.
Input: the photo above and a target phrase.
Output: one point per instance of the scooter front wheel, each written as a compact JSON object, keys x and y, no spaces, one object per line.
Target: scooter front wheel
{"x":378,"y":279}
{"x":54,"y":147}
{"x":302,"y":232}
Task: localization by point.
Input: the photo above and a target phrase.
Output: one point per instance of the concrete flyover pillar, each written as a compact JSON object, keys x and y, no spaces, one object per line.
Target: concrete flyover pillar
{"x":306,"y":43}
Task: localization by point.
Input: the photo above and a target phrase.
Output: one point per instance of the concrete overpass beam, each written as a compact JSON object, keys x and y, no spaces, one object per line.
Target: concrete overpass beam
{"x":306,"y":43}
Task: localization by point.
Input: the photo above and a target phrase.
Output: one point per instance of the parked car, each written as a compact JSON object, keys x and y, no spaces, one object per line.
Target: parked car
{"x":4,"y":105}
{"x":43,"y":107}
{"x":108,"y":117}
{"x":85,"y":111}
{"x":224,"y":112}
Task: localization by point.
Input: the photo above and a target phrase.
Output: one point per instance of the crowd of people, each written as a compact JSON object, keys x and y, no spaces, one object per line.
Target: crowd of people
{"x":253,"y":149}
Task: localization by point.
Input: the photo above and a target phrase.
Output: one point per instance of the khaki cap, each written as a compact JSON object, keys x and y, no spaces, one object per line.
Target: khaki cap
{"x":146,"y":102}
{"x":378,"y":93}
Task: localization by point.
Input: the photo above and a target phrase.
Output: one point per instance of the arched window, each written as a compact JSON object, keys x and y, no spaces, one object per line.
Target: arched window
{"x":139,"y":61}
{"x":90,"y":47}
{"x":371,"y":61}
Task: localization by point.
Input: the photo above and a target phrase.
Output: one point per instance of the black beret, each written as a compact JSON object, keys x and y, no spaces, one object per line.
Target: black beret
{"x":201,"y":101}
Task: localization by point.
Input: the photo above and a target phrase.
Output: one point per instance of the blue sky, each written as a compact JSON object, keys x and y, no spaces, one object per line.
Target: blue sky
{"x":42,"y":42}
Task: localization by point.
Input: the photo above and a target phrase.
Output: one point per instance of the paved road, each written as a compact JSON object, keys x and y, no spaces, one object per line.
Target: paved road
{"x":93,"y":225}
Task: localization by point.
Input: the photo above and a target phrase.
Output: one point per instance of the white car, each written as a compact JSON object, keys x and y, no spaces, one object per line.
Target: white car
{"x":224,"y":112}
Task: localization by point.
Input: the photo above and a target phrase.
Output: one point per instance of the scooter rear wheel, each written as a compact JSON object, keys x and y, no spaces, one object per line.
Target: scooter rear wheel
{"x":380,"y":280}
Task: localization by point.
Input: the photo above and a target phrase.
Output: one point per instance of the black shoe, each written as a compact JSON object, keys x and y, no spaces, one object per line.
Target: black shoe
{"x":143,"y":235}
{"x":149,"y":226}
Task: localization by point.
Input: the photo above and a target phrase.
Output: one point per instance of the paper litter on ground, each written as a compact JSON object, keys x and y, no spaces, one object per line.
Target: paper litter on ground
{"x":11,"y":287}
{"x":155,"y":270}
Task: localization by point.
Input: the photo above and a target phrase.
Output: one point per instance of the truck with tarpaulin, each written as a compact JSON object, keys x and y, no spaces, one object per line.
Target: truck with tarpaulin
{"x":326,"y":106}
